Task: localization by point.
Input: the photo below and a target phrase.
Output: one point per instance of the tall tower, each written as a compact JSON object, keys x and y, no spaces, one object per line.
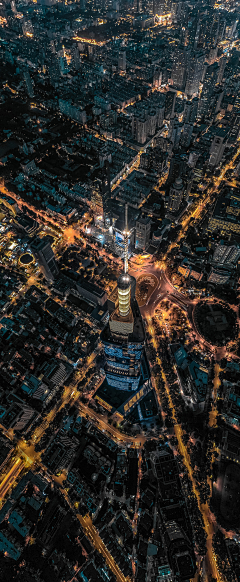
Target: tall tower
{"x":122,"y":321}
{"x":44,"y":255}
{"x":123,"y":338}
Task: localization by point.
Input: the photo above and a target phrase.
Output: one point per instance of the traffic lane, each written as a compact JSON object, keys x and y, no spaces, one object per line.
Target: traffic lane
{"x":114,"y":432}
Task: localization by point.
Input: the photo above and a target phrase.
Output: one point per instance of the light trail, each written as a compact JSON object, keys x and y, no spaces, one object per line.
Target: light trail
{"x":70,"y":394}
{"x":186,"y":459}
{"x":94,"y":537}
{"x":11,"y":477}
{"x":117,"y":436}
{"x":216,"y":383}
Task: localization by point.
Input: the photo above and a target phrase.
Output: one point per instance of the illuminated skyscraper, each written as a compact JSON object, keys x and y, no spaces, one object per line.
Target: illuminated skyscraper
{"x":122,"y":322}
{"x":126,"y":367}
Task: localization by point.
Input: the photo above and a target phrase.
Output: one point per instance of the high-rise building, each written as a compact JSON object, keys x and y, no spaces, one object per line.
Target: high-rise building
{"x":122,"y":61}
{"x":126,"y":366}
{"x":177,"y":166}
{"x":13,"y":7}
{"x":63,"y":65}
{"x":176,"y":195}
{"x":140,"y":126}
{"x":206,"y":32}
{"x":210,"y":81}
{"x":186,"y":134}
{"x":222,"y":27}
{"x":44,"y":255}
{"x":215,"y":30}
{"x":192,"y":29}
{"x":157,"y":77}
{"x":235,"y":120}
{"x":175,"y":132}
{"x":76,"y":60}
{"x":193,"y":157}
{"x":53,"y":68}
{"x":194,"y":110}
{"x":29,"y":83}
{"x":190,"y":111}
{"x":143,"y":228}
{"x":195,"y":73}
{"x":170,"y":104}
{"x":217,"y":147}
{"x":180,"y":67}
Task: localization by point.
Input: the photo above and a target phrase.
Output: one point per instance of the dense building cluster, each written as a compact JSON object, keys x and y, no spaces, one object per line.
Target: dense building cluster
{"x":119,"y":290}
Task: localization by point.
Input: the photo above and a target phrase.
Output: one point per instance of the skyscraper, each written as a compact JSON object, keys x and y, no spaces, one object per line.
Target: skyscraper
{"x":190,"y":111}
{"x":143,"y":228}
{"x":176,"y":195}
{"x":122,"y":61}
{"x":122,"y":322}
{"x":126,"y":365}
{"x":192,"y":29}
{"x":194,"y":109}
{"x":44,"y":255}
{"x":218,"y":145}
{"x":180,"y":67}
{"x":175,"y":129}
{"x":29,"y":83}
{"x":222,"y":65}
{"x":177,"y":167}
{"x":170,"y":104}
{"x":195,"y":73}
{"x":208,"y":87}
{"x":186,"y":134}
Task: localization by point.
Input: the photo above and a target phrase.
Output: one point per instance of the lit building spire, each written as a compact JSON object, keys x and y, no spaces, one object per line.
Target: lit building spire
{"x":124,"y":281}
{"x":126,"y":240}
